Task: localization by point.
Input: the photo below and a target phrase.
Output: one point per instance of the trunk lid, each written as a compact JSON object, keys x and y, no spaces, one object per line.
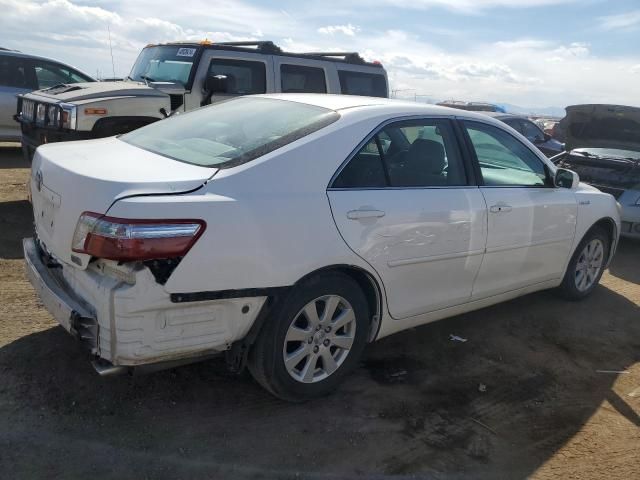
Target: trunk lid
{"x":602,"y":126}
{"x":73,"y":177}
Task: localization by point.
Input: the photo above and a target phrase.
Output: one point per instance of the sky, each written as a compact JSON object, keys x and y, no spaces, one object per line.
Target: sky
{"x":532,"y":53}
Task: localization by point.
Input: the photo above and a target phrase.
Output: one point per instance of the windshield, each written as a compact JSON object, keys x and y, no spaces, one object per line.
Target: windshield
{"x":166,"y":63}
{"x":232,"y":132}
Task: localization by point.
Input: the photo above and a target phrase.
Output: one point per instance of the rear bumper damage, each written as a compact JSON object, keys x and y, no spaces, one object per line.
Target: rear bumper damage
{"x":131,"y":323}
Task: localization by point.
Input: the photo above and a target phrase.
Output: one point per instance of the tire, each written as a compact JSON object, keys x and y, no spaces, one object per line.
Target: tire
{"x":293,"y":333}
{"x":592,"y":250}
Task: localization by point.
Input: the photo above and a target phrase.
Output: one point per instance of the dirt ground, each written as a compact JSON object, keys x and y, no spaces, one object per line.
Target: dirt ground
{"x":521,"y":398}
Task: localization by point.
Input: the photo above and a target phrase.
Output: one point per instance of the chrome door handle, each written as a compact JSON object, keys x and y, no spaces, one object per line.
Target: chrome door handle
{"x":359,"y":214}
{"x":500,"y":208}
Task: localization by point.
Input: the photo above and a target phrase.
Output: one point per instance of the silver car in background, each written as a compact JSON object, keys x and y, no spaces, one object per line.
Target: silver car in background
{"x":22,"y":73}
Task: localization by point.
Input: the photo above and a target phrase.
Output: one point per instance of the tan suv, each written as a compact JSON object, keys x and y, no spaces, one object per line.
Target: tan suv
{"x":178,"y":77}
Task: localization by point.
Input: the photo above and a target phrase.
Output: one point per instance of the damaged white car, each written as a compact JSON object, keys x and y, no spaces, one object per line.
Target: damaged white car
{"x":290,"y":230}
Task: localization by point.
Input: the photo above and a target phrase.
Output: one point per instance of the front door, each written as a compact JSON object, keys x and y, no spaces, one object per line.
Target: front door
{"x":404,"y":203}
{"x":531,"y":223}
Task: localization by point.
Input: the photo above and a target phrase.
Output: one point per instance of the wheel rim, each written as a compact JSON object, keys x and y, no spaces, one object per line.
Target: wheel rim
{"x":589,"y":265}
{"x":319,"y":339}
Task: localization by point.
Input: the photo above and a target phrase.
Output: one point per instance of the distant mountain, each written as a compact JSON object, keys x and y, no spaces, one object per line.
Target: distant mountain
{"x":510,"y":108}
{"x":542,"y":111}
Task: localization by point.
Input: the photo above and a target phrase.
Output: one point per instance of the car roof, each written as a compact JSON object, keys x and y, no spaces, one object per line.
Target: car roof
{"x":344,"y":102}
{"x":501,"y":115}
{"x":5,"y":52}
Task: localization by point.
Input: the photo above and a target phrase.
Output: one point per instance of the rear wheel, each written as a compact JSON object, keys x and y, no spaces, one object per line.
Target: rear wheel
{"x":313,"y":339}
{"x":586,"y":266}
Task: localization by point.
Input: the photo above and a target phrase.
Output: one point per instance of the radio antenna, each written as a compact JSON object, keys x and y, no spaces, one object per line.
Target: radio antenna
{"x":113,"y":67}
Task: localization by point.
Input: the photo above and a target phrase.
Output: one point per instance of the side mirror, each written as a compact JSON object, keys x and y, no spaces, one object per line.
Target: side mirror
{"x":566,"y":179}
{"x":216,"y":84}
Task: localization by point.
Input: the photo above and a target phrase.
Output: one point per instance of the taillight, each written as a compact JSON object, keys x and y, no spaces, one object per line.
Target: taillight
{"x":127,"y":240}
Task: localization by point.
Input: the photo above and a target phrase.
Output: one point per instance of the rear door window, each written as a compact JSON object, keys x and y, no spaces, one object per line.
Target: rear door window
{"x":416,"y":153}
{"x":359,"y":83}
{"x":302,"y":79}
{"x":15,"y":73}
{"x":244,"y":77}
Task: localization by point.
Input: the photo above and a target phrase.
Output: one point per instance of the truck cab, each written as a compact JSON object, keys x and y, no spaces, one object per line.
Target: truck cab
{"x":177,"y":77}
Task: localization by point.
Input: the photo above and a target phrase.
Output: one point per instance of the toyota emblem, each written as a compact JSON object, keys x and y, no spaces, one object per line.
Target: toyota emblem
{"x":39,"y":180}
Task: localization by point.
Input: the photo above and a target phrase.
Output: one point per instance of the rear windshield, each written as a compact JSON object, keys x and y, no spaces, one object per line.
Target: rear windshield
{"x":232,"y":132}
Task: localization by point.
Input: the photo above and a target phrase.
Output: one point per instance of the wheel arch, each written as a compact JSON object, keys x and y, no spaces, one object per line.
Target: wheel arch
{"x":369,"y":286}
{"x":609,"y":226}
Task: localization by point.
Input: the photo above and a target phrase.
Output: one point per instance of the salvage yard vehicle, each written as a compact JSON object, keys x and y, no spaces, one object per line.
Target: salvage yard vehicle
{"x":603,"y":146}
{"x":290,"y":230}
{"x":543,"y":141}
{"x":178,"y":77}
{"x":21,"y":73}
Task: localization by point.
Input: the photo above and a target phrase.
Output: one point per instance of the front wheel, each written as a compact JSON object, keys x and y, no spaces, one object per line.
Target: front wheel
{"x":586,"y":266}
{"x":313,"y":339}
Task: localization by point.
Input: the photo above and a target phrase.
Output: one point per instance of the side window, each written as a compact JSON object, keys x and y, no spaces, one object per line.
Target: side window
{"x":428,"y":157}
{"x":514,"y":123}
{"x":13,"y":73}
{"x":532,"y":132}
{"x":420,"y":153}
{"x":243,"y":77}
{"x":359,"y":83}
{"x":364,"y":170}
{"x":298,"y":78}
{"x":51,"y":74}
{"x":505,"y":161}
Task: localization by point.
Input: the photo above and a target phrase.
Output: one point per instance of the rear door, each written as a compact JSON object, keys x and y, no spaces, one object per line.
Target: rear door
{"x":16,"y":77}
{"x":405,"y":203}
{"x":531,"y":223}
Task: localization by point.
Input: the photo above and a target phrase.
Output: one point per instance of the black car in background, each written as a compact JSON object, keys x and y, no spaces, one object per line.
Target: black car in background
{"x":545,"y":143}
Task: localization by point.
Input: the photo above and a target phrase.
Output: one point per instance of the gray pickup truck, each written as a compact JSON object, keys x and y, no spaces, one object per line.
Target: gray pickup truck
{"x":182,"y":76}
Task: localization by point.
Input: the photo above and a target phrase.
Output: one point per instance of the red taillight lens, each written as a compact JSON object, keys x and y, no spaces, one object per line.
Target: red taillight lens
{"x":130,"y":240}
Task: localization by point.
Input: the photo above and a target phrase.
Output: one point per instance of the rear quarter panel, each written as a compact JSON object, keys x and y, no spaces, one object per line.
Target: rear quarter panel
{"x":269,"y":222}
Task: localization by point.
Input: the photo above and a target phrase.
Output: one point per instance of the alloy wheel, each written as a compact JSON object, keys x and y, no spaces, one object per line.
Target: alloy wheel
{"x":589,"y":264}
{"x":319,"y":339}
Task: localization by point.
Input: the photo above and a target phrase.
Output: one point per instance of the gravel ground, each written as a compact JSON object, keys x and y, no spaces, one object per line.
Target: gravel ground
{"x":521,"y":398}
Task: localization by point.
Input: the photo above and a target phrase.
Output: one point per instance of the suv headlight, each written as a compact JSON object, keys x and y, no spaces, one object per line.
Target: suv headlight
{"x":68,"y":116}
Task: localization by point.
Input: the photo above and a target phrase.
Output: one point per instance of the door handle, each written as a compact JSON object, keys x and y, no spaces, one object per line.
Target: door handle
{"x":360,"y":214}
{"x":500,"y":208}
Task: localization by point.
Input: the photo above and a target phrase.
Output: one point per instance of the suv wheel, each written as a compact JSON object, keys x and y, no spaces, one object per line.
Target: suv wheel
{"x":313,"y":339}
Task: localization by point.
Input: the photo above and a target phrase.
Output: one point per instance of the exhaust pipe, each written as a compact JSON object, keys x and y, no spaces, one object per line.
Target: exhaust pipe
{"x":107,"y":369}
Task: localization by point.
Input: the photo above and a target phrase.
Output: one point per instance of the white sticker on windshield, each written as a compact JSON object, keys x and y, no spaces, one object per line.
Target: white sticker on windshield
{"x":186,"y":52}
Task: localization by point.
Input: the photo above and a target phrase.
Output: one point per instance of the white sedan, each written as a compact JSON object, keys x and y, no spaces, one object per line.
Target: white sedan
{"x":290,"y":230}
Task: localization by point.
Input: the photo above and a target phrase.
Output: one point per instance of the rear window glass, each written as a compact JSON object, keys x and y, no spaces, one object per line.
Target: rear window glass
{"x":359,"y":83}
{"x":297,"y":79}
{"x":232,"y":132}
{"x":243,"y":77}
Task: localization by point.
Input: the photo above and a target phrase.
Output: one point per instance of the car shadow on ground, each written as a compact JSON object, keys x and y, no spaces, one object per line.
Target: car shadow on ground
{"x":16,"y":223}
{"x":500,"y":404}
{"x":11,"y":156}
